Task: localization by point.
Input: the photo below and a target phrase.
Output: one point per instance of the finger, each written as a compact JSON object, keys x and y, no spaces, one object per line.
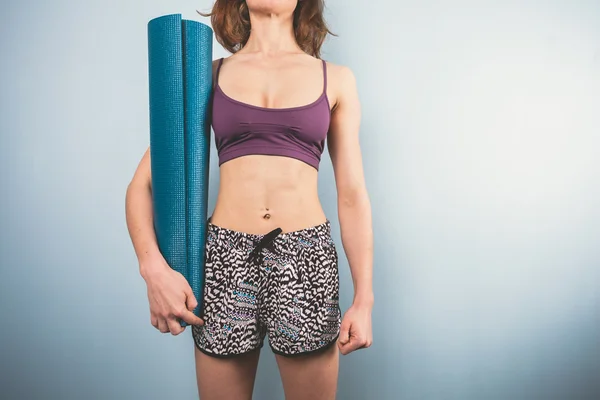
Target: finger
{"x":347,"y":349}
{"x":344,"y":333}
{"x":344,"y":347}
{"x":190,"y":317}
{"x":154,"y":321}
{"x":190,"y":300}
{"x":162,"y":325}
{"x":355,"y":343}
{"x":174,"y":326}
{"x":360,"y":344}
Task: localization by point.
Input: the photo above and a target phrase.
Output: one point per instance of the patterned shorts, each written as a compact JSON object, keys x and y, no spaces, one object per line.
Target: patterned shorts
{"x":285,"y":285}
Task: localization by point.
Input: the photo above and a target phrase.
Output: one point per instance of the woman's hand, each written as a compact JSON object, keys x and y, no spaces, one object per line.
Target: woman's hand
{"x":355,"y":331}
{"x":170,"y":295}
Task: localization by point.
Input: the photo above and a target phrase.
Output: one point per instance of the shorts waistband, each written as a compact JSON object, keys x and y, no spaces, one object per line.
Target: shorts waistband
{"x":320,"y":234}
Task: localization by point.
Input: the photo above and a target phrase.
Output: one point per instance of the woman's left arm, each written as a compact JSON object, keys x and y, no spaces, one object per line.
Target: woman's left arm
{"x":354,"y":209}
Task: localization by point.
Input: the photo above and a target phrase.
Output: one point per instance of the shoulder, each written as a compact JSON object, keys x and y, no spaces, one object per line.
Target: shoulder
{"x":340,"y":74}
{"x":341,"y":82}
{"x":215,"y":64}
{"x":224,"y":60}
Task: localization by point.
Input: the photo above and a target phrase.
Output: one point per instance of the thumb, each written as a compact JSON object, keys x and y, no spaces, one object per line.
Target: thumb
{"x":344,"y":333}
{"x":190,"y":300}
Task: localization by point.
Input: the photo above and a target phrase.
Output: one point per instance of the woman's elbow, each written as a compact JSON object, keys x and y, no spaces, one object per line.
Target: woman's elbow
{"x":353,"y":198}
{"x":139,"y":184}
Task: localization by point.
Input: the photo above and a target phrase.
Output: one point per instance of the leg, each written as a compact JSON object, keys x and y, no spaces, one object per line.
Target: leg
{"x":227,"y":346}
{"x":303,"y":313}
{"x":230,"y":378}
{"x":310,"y":376}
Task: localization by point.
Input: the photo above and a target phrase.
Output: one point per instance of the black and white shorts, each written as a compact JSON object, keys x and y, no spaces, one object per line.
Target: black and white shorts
{"x":285,"y":285}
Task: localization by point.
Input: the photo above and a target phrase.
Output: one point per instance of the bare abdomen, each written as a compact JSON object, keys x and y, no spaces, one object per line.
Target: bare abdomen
{"x":259,"y":193}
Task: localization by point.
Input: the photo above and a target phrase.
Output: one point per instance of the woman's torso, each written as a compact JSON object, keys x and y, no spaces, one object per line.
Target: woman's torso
{"x":270,"y":180}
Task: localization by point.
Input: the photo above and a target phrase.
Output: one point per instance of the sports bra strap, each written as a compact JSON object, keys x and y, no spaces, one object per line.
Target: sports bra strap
{"x":324,"y":76}
{"x":218,"y":70}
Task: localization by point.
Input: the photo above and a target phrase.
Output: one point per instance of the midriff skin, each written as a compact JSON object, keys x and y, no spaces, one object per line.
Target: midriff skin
{"x":259,"y":193}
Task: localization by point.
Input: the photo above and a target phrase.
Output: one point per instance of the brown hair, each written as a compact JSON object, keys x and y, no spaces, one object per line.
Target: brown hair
{"x":230,"y":20}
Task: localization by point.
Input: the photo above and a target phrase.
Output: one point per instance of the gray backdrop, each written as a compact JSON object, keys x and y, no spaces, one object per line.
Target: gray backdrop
{"x":480,"y":137}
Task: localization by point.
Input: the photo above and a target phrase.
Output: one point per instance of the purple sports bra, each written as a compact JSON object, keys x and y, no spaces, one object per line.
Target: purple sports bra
{"x":242,"y":129}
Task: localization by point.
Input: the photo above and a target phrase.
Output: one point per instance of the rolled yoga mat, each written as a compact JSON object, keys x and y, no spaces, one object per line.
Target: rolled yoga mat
{"x":180,"y":75}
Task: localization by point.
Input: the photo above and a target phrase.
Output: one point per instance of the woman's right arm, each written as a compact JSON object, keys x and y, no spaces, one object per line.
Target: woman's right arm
{"x":169,"y":294}
{"x":139,"y":215}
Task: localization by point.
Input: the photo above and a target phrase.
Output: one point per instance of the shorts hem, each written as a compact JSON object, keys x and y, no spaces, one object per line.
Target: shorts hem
{"x":227,"y":355}
{"x":307,"y":352}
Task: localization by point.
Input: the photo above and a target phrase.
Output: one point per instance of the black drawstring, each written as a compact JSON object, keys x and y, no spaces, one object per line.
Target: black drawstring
{"x":264,"y":242}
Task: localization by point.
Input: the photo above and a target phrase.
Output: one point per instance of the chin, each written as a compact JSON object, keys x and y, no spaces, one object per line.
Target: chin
{"x":272,"y":6}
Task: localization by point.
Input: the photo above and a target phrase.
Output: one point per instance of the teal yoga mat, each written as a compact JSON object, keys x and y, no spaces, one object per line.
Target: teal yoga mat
{"x":180,"y":86}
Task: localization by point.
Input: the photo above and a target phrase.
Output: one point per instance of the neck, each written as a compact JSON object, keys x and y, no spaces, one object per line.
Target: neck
{"x":271,"y":35}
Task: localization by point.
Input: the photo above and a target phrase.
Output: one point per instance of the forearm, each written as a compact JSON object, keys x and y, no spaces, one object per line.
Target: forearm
{"x":357,"y":239}
{"x":140,"y":223}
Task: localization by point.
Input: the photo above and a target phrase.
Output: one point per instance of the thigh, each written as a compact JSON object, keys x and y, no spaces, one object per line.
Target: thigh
{"x":311,"y":376}
{"x":229,"y":304}
{"x":302,"y":310}
{"x":230,"y":378}
{"x":305,"y":315}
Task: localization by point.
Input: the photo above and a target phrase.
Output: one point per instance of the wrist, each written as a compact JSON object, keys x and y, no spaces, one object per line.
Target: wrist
{"x":364,"y":299}
{"x":148,"y":266}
